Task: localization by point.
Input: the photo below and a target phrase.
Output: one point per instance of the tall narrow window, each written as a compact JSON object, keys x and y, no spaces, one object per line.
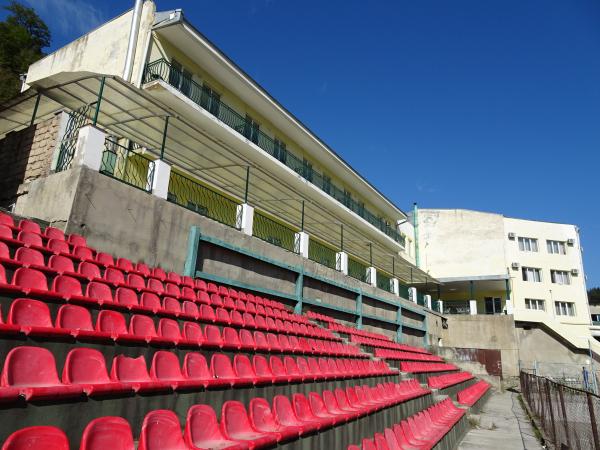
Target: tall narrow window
{"x":556,"y":247}
{"x":564,"y":308}
{"x":251,"y":129}
{"x":532,"y":274}
{"x":528,"y":244}
{"x":560,"y":277}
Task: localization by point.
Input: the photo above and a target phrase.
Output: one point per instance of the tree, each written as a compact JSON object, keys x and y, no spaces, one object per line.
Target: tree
{"x":23,"y":35}
{"x":594,"y":295}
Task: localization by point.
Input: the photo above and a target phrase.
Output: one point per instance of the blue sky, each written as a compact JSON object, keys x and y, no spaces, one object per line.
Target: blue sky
{"x":487,"y":105}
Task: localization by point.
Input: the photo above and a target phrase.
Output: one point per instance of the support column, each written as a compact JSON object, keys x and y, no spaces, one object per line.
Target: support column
{"x":299,"y":293}
{"x":301,"y":243}
{"x":428,"y":301}
{"x":399,"y":321}
{"x":359,"y":311}
{"x":245,"y":218}
{"x":341,"y":262}
{"x":89,"y":147}
{"x":509,"y":303}
{"x":473,"y":307}
{"x":395,"y":286}
{"x":412,"y":294}
{"x":160,"y":180}
{"x":441,"y":306}
{"x":372,"y":276}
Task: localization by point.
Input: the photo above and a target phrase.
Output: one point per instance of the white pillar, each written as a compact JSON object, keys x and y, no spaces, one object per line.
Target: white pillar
{"x":412,"y":294}
{"x":341,"y":262}
{"x":473,"y":307}
{"x":428,"y":301}
{"x":372,"y":276}
{"x":301,"y":243}
{"x":509,"y":306}
{"x":395,"y":286}
{"x":160,"y":180}
{"x":89,"y":147}
{"x":441,"y":306}
{"x":245,"y":218}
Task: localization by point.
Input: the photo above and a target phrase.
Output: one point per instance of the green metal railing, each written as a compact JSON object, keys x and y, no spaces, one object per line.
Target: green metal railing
{"x":403,"y":291}
{"x":77,"y":119}
{"x":273,"y":232}
{"x":357,"y":270}
{"x":127,"y":164}
{"x":321,"y":253}
{"x":199,"y":198}
{"x":384,"y":281}
{"x":420,"y":298}
{"x":164,"y":70}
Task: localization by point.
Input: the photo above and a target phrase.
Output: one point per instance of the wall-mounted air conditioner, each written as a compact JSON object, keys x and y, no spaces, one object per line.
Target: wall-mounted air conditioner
{"x":515,"y":265}
{"x":512,"y":235}
{"x":575,"y":272}
{"x":571,"y":242}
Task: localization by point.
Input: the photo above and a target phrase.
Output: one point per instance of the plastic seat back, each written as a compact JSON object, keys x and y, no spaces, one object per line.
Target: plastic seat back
{"x":161,"y":430}
{"x":190,"y":309}
{"x":27,"y":278}
{"x":151,"y":301}
{"x":234,"y":419}
{"x":29,"y":366}
{"x":105,"y":259}
{"x":261,"y":415}
{"x":261,"y":366}
{"x":109,"y":432}
{"x":169,"y":328}
{"x":61,"y":264}
{"x":99,"y":291}
{"x":37,"y":438}
{"x":141,"y":325}
{"x":6,"y":220}
{"x":192,"y":332}
{"x":159,"y":273}
{"x":114,"y":276}
{"x":231,"y":338}
{"x":26,"y":312}
{"x":126,"y":297}
{"x":277,"y":366}
{"x":302,"y":407}
{"x":212,"y":335}
{"x":89,"y":270}
{"x":220,"y":367}
{"x":29,"y":226}
{"x":74,"y":317}
{"x":195,"y":366}
{"x":111,"y":322}
{"x":85,"y":366}
{"x":172,"y":305}
{"x":243,"y":367}
{"x":124,"y":264}
{"x":202,"y":428}
{"x":83,"y":253}
{"x":129,"y":369}
{"x":165,"y":366}
{"x":76,"y":239}
{"x":66,"y":286}
{"x":136,"y":281}
{"x":29,"y":256}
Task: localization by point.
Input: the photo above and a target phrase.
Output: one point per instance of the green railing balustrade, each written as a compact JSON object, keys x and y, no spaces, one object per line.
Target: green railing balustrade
{"x":321,"y":253}
{"x":273,"y":232}
{"x":403,"y":291}
{"x":77,"y":119}
{"x":357,"y":270}
{"x":127,"y":164}
{"x":420,"y":298}
{"x":163,"y":70}
{"x":199,"y":198}
{"x":384,"y":281}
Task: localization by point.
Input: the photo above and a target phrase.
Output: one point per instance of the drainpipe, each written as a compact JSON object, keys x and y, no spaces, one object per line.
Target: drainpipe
{"x":416,"y":231}
{"x":133,"y":37}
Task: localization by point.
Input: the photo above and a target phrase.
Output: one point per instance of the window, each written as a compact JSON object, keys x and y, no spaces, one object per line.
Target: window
{"x":596,"y":319}
{"x":251,"y":129}
{"x":564,"y":308}
{"x":532,"y":274}
{"x":533,"y":303}
{"x":528,"y":244}
{"x":326,"y":184}
{"x":210,"y":100}
{"x":279,"y":150}
{"x":556,"y":247}
{"x":493,"y":305}
{"x":307,"y":170}
{"x":179,"y":77}
{"x":560,"y":277}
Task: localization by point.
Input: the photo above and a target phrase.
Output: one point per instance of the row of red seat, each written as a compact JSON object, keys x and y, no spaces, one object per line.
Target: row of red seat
{"x":32,"y":318}
{"x":32,"y":283}
{"x":30,"y":372}
{"x":419,"y":432}
{"x":354,"y":331}
{"x":33,"y":227}
{"x":61,"y":266}
{"x":405,"y":356}
{"x":470,"y":395}
{"x":449,"y":379}
{"x":378,"y":343}
{"x":321,"y":317}
{"x":422,"y":367}
{"x":262,"y":425}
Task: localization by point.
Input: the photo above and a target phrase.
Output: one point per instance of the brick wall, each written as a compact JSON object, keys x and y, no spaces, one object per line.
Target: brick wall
{"x":26,"y":155}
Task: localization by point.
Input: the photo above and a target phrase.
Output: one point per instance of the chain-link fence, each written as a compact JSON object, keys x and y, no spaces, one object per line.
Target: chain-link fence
{"x":580,"y":376}
{"x":568,"y":416}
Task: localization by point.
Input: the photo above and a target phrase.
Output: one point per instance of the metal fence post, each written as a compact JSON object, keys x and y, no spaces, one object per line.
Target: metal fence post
{"x":98,"y":102}
{"x":551,"y":409}
{"x":593,"y":421}
{"x":564,"y":413}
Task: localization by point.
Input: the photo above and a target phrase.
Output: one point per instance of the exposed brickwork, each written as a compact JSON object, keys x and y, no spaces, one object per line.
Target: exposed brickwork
{"x":26,"y":155}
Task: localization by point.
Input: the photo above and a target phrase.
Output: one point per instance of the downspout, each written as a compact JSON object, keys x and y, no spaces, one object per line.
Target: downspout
{"x":416,"y":231}
{"x":133,"y":38}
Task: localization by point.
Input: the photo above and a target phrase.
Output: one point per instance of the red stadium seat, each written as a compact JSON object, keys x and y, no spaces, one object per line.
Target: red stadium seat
{"x":135,"y":372}
{"x":221,"y":369}
{"x":76,"y":239}
{"x":54,"y":233}
{"x":37,"y":438}
{"x":264,"y":420}
{"x":104,"y":259}
{"x":100,"y":292}
{"x":78,"y":320}
{"x":161,"y":430}
{"x":61,"y":264}
{"x":236,"y":425}
{"x":196,"y":368}
{"x":89,"y":270}
{"x":33,"y":318}
{"x":108,"y":432}
{"x":126,"y":297}
{"x":165,"y":367}
{"x":114,"y":276}
{"x":150,"y":301}
{"x":143,"y":327}
{"x":29,"y":226}
{"x":284,"y":411}
{"x":202,"y":430}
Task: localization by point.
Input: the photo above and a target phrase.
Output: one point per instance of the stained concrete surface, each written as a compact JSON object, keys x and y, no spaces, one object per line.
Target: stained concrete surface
{"x":503,"y":424}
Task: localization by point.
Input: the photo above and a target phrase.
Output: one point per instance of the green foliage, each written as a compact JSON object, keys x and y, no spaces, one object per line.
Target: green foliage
{"x":594,"y":295}
{"x":23,"y":35}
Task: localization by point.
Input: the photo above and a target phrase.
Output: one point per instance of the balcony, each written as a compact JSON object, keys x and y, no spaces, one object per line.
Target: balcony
{"x":163,"y":70}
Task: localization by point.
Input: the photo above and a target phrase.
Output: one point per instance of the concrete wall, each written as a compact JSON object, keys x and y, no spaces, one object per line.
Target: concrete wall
{"x":485,"y":332}
{"x":128,"y":222}
{"x":26,"y":155}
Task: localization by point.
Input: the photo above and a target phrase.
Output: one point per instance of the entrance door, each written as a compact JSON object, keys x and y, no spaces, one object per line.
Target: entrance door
{"x":493,"y":305}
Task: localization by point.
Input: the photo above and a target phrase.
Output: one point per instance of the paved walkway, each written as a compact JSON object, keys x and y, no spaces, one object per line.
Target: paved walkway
{"x":503,"y":424}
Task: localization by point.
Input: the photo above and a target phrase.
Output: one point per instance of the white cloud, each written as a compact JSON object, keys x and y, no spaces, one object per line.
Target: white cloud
{"x":69,"y":16}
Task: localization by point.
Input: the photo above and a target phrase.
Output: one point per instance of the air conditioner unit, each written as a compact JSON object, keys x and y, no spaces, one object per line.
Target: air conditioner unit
{"x":516,"y":265}
{"x":512,"y":235}
{"x":571,"y":242}
{"x":574,"y":272}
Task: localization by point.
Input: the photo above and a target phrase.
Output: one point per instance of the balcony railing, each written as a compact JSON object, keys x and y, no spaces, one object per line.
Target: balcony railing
{"x":127,"y":164}
{"x":357,"y":270}
{"x":199,"y":198}
{"x":164,"y":70}
{"x":384,"y":282}
{"x":321,"y":254}
{"x":273,"y":232}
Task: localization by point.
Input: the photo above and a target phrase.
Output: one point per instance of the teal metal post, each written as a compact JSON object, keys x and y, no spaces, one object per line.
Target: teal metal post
{"x":371,"y":254}
{"x":359,"y":311}
{"x":302,"y":223}
{"x":471,"y":290}
{"x":399,"y":321}
{"x":164,"y":138}
{"x":416,"y":233}
{"x":247,"y":184}
{"x":341,"y":237}
{"x":507,"y":286}
{"x":299,"y":291}
{"x":97,"y":111}
{"x":35,"y":108}
{"x":193,"y":249}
